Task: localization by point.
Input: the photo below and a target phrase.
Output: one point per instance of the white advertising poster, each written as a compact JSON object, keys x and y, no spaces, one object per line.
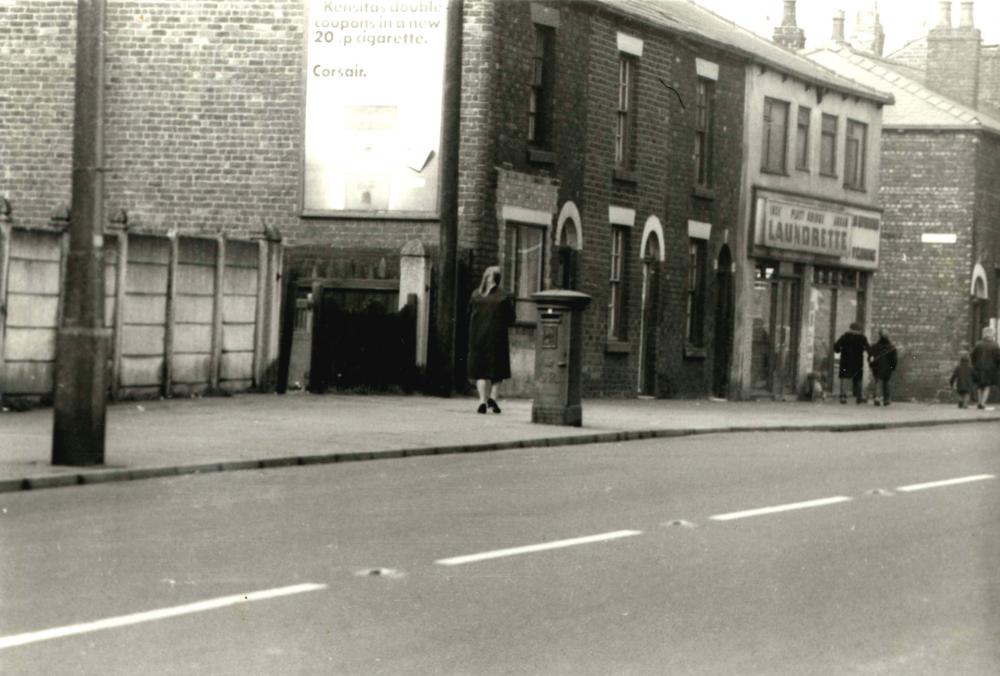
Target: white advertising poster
{"x":374,"y":78}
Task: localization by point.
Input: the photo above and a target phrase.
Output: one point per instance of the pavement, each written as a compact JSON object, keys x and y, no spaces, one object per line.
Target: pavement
{"x":147,"y":439}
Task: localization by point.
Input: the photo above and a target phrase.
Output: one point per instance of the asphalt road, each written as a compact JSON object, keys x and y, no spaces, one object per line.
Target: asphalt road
{"x":778,"y":553}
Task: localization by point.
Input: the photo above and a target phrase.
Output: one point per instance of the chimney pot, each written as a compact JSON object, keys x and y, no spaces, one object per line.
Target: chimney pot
{"x":944,"y":14}
{"x":789,"y":17}
{"x":966,"y":21}
{"x":838,"y":26}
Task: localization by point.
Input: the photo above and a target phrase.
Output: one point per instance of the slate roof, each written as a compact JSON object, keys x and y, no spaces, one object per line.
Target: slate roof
{"x":916,"y":106}
{"x":686,"y":18}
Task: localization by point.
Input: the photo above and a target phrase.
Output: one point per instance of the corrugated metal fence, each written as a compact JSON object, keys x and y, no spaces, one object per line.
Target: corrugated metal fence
{"x":189,"y":314}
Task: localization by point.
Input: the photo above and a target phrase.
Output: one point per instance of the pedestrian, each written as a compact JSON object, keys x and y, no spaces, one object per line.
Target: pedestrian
{"x":963,"y":379}
{"x":882,"y":360}
{"x":986,"y":365}
{"x":491,"y":313}
{"x":852,"y":346}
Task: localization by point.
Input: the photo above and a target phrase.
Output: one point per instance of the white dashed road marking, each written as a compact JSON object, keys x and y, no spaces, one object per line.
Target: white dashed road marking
{"x":780,"y":508}
{"x":498,"y":553}
{"x":149,"y":616}
{"x":946,"y":482}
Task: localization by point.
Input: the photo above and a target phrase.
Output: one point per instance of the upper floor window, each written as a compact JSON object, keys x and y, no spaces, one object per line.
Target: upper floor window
{"x":626,"y":103}
{"x":854,"y":155}
{"x":828,"y":146}
{"x":525,"y":258}
{"x":540,"y":101}
{"x":775,"y":135}
{"x":616,"y":281}
{"x":703,"y":132}
{"x":802,"y":139}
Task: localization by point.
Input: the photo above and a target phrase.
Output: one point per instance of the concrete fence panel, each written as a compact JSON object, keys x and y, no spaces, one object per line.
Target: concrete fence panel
{"x":32,"y":267}
{"x":189,"y":314}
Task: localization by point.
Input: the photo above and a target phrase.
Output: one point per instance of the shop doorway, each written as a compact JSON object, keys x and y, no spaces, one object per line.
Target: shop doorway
{"x":837,"y":300}
{"x":775,"y":315}
{"x":723,"y":347}
{"x":650,"y":302}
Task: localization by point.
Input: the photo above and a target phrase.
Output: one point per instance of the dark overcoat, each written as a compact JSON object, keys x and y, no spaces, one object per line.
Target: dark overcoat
{"x":986,"y":362}
{"x":883,"y":359}
{"x":489,"y":347}
{"x":852,"y":347}
{"x":963,"y":378}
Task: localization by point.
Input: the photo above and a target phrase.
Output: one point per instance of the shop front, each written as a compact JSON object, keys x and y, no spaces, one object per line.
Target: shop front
{"x":812,"y":262}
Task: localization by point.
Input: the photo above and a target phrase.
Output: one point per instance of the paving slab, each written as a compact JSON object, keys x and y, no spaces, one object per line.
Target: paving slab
{"x":252,"y":431}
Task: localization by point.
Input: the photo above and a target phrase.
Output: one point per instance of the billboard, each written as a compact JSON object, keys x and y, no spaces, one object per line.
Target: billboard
{"x":374,"y":79}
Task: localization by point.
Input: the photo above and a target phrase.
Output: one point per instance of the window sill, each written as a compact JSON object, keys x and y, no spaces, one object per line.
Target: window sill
{"x":855,"y":188}
{"x":617,"y":347}
{"x":524,"y":324}
{"x":773,"y":172}
{"x":539,"y":156}
{"x":625,"y":176}
{"x":701,"y":192}
{"x":824,"y":175}
{"x":694,"y":352}
{"x":804,"y":170}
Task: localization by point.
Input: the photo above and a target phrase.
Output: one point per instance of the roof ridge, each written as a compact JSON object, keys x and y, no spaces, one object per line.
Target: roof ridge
{"x":942,"y":102}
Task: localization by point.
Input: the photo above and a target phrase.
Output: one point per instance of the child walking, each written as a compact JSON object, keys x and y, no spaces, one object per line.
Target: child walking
{"x":963,"y":379}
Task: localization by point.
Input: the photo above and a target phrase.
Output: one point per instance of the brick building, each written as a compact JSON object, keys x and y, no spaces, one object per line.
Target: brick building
{"x":937,"y":285}
{"x":596,"y":144}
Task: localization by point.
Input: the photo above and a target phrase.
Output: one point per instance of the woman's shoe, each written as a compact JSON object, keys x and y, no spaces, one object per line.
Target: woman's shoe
{"x":481,"y":409}
{"x":493,"y":405}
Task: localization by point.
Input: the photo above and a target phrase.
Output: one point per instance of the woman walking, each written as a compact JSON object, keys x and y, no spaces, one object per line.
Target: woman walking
{"x":986,"y":364}
{"x":882,"y":359}
{"x":491,"y":312}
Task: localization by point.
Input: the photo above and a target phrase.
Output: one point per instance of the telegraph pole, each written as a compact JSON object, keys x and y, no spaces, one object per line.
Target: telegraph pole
{"x":83,"y":341}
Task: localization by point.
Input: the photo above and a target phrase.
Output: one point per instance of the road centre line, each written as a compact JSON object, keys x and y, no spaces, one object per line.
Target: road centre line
{"x":556,"y":544}
{"x":946,"y":482}
{"x":780,"y":508}
{"x":149,"y":616}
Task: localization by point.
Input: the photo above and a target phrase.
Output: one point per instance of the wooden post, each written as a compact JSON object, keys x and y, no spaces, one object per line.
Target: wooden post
{"x":260,"y":315}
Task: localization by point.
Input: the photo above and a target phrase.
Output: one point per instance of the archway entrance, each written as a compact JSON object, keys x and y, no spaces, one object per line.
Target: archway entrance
{"x":723,"y":344}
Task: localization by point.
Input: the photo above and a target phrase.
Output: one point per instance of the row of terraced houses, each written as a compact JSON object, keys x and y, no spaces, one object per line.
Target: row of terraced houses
{"x":730,"y":203}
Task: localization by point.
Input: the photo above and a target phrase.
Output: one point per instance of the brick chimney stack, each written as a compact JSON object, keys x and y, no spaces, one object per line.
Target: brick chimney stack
{"x":953,"y":56}
{"x":868,"y":35}
{"x":788,"y":34}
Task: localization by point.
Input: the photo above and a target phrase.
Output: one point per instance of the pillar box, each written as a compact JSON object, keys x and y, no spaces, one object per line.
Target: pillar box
{"x":558,"y":357}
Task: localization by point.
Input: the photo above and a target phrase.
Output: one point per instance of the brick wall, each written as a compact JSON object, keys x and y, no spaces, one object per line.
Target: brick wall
{"x":987,"y":215}
{"x":953,"y":63}
{"x":203,"y":119}
{"x":921,"y":292}
{"x":989,"y":80}
{"x":583,"y":168}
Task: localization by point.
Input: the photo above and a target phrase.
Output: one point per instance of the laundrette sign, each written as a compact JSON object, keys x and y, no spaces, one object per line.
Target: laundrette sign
{"x":850,"y":235}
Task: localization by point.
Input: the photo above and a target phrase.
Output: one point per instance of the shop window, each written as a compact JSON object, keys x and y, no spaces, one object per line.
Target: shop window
{"x":775,"y":135}
{"x":624,"y":128}
{"x":540,"y":98}
{"x":802,"y":139}
{"x":524,"y":260}
{"x":854,"y":155}
{"x":616,"y":282}
{"x":695,"y":315}
{"x":828,"y":146}
{"x":703,"y":132}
